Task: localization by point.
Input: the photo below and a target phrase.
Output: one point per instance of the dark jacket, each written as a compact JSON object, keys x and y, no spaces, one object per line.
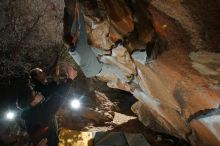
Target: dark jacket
{"x":40,"y":119}
{"x":46,"y":89}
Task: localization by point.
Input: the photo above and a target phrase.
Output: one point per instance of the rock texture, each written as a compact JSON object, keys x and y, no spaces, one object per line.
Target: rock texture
{"x":165,"y":53}
{"x":205,"y":130}
{"x":197,"y":18}
{"x":31,"y":34}
{"x":168,"y":88}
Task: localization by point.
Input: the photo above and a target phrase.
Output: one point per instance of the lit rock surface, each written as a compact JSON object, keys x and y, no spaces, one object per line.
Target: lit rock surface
{"x":177,"y":86}
{"x":208,"y":64}
{"x":168,"y":94}
{"x":159,"y":117}
{"x":206,"y":130}
{"x":121,"y":59}
{"x":98,"y":36}
{"x":174,"y":89}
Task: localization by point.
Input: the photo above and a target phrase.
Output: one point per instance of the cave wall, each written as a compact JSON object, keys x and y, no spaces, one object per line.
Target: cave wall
{"x":176,"y":81}
{"x":198,"y":18}
{"x":179,"y":85}
{"x":31,"y":34}
{"x":191,"y":26}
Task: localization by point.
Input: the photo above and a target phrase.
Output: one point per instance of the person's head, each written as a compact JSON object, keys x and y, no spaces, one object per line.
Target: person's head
{"x":38,"y":75}
{"x":29,"y":97}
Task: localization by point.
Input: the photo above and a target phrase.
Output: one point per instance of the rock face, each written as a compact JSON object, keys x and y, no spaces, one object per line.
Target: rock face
{"x":199,"y":19}
{"x":168,"y":94}
{"x":205,"y":130}
{"x":176,"y":85}
{"x":165,"y":53}
{"x":31,"y":34}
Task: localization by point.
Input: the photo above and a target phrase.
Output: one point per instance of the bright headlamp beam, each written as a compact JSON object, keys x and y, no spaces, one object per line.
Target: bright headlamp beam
{"x":10,"y":115}
{"x":75,"y":104}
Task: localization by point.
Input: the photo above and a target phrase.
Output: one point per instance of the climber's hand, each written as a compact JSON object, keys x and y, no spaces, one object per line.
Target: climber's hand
{"x":70,"y":72}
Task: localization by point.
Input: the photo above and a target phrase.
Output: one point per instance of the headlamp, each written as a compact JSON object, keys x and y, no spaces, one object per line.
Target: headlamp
{"x":10,"y":115}
{"x":75,"y":104}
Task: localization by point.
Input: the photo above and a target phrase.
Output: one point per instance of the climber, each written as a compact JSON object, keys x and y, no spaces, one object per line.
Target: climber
{"x":38,"y":78}
{"x":39,"y":111}
{"x":40,"y":82}
{"x":75,"y":36}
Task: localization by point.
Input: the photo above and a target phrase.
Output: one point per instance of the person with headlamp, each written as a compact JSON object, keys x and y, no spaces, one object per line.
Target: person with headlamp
{"x":39,"y":111}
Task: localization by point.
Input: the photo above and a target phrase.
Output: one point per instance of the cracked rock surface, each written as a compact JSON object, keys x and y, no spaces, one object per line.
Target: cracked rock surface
{"x":164,"y":53}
